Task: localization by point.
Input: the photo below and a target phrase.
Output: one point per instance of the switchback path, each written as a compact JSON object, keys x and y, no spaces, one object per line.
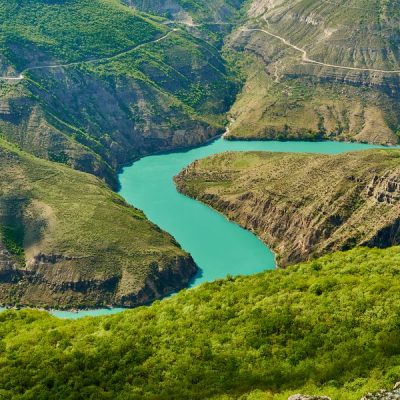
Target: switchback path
{"x":53,"y":66}
{"x":306,"y":59}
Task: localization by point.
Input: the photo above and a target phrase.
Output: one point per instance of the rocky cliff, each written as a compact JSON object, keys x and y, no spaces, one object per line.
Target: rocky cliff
{"x":304,"y":205}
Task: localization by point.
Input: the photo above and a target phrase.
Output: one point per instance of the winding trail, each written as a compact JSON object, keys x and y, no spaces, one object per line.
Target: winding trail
{"x":306,"y":59}
{"x":54,"y":66}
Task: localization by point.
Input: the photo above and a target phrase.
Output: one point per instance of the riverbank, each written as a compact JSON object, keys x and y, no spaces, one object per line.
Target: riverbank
{"x":218,"y":246}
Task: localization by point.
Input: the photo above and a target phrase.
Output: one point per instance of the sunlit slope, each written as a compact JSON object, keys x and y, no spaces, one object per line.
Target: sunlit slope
{"x":304,"y":205}
{"x":355,"y":33}
{"x":329,"y":327}
{"x":325,"y":69}
{"x":66,"y":240}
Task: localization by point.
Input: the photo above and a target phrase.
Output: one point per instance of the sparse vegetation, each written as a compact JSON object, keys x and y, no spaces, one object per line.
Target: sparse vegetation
{"x":303,"y":205}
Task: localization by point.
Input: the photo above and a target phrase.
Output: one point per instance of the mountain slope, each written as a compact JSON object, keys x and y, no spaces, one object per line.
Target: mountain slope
{"x":304,"y":205}
{"x":329,"y":327}
{"x":191,"y":10}
{"x":66,"y":240}
{"x":329,"y":69}
{"x":111,"y":85}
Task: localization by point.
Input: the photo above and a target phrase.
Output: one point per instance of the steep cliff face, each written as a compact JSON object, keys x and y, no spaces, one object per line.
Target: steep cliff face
{"x":66,"y":240}
{"x":54,"y":280}
{"x":315,"y":66}
{"x":112,"y":85}
{"x":304,"y":205}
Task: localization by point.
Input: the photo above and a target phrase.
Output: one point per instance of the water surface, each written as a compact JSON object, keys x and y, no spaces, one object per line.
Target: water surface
{"x":86,"y":313}
{"x":219,"y":247}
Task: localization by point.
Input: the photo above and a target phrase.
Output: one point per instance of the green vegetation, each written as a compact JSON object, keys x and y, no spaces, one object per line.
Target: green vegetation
{"x":168,"y":67}
{"x":329,"y":326}
{"x":105,"y":83}
{"x":12,"y":237}
{"x":80,"y":242}
{"x":71,"y":30}
{"x":303,"y":108}
{"x":99,"y":77}
{"x":198,"y":11}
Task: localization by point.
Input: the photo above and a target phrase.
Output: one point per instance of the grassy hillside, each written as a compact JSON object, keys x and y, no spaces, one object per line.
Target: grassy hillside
{"x":329,"y":326}
{"x":304,"y":205}
{"x":355,"y":33}
{"x":66,"y":240}
{"x":291,"y":108}
{"x":105,"y":84}
{"x":290,"y":93}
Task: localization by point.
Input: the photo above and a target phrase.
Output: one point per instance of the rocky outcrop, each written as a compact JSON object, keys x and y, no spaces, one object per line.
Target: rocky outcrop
{"x":385,"y":189}
{"x":393,"y":394}
{"x":382,"y":394}
{"x":304,"y":205}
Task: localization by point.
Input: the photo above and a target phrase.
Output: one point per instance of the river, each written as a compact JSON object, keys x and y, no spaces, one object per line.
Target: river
{"x":219,"y":247}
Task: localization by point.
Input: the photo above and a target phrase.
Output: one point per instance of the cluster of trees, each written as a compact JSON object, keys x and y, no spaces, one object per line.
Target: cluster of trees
{"x":333,"y":323}
{"x":73,"y":30}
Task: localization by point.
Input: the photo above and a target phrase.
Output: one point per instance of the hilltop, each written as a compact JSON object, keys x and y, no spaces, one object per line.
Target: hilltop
{"x":304,"y":205}
{"x":66,"y":240}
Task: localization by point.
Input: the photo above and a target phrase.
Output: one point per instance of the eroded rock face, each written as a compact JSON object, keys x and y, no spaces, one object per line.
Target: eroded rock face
{"x":385,"y":189}
{"x":298,"y":86}
{"x":8,"y":266}
{"x":55,"y":283}
{"x":100,"y":112}
{"x":140,"y":120}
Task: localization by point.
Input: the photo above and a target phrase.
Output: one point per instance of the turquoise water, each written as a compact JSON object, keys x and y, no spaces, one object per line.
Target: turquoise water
{"x":80,"y":314}
{"x":86,"y":313}
{"x":219,"y":247}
